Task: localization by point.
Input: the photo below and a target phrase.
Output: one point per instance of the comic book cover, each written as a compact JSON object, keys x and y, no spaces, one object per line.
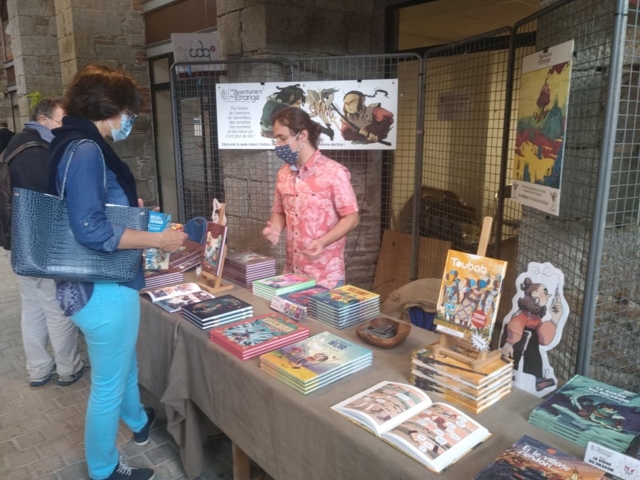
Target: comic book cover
{"x":530,"y":459}
{"x":316,"y":356}
{"x":344,"y":296}
{"x":589,"y":409}
{"x":214,"y":248}
{"x":256,"y":331}
{"x":281,"y":281}
{"x":469,"y":297}
{"x":216,"y":307}
{"x":302,"y":297}
{"x":175,"y":304}
{"x":246,"y":258}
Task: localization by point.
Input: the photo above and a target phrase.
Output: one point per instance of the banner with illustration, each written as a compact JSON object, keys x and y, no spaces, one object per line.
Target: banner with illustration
{"x":542,"y":119}
{"x":353,"y":115}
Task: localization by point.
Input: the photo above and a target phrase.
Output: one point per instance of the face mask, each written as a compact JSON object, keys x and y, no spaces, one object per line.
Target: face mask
{"x":288,"y":156}
{"x":126,"y":125}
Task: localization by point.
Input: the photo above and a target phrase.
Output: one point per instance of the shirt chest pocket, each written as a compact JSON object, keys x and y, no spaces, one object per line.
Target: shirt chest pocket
{"x":303,"y":200}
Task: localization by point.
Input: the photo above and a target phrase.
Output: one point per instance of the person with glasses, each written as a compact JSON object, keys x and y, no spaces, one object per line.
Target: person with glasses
{"x":102,"y":104}
{"x":314,"y":201}
{"x":42,"y":320}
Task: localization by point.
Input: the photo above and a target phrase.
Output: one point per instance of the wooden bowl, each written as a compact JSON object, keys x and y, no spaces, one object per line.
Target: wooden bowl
{"x":402,"y":332}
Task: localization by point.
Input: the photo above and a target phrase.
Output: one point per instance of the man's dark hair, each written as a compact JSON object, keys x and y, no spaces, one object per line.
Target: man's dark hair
{"x":45,"y":107}
{"x":98,"y":92}
{"x":297,"y":120}
{"x":4,"y":125}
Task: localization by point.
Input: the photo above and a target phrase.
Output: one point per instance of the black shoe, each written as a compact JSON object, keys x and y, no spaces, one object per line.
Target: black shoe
{"x":125,"y":472}
{"x":142,"y":437}
{"x":73,"y":378}
{"x":41,"y":383}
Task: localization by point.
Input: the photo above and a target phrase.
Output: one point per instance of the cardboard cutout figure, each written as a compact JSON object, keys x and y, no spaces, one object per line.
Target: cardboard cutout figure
{"x":534,"y":326}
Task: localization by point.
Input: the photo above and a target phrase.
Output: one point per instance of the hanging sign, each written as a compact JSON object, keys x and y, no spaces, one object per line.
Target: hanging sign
{"x":352,"y":115}
{"x":542,"y":119}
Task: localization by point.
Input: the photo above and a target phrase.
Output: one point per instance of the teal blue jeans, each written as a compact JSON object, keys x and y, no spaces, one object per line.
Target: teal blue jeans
{"x":110,"y":324}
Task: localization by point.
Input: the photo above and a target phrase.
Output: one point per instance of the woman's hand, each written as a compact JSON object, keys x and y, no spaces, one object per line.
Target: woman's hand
{"x":171,"y":240}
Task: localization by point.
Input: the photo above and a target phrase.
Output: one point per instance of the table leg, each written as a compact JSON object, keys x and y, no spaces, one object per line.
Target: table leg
{"x":241,"y":463}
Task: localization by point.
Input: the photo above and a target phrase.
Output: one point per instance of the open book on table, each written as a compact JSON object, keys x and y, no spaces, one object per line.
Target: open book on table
{"x":172,"y":299}
{"x":434,"y":434}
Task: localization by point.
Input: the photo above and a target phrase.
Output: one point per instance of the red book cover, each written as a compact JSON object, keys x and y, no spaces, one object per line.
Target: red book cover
{"x":257,"y":335}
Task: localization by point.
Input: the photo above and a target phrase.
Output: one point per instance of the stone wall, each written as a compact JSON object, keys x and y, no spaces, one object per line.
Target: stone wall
{"x":282,"y":28}
{"x":112,"y":33}
{"x":5,"y":101}
{"x":35,"y":50}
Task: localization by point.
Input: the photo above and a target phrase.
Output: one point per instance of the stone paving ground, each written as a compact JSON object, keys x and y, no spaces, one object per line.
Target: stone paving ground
{"x":41,"y":429}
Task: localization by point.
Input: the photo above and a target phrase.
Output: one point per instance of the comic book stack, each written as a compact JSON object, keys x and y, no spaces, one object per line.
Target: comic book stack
{"x":160,"y":278}
{"x":454,"y":380}
{"x":315,"y":362}
{"x":344,"y":306}
{"x":188,"y":256}
{"x":281,"y":284}
{"x":295,"y":304}
{"x":586,"y":410}
{"x":244,"y":268}
{"x":217,"y":311}
{"x":257,"y":335}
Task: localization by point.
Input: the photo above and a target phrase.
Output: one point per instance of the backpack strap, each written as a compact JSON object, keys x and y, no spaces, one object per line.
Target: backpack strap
{"x":21,"y":149}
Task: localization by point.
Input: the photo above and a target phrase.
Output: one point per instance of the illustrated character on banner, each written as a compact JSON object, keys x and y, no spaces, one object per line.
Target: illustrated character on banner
{"x":289,"y":96}
{"x":320,"y":102}
{"x":362,"y":123}
{"x":534,"y":326}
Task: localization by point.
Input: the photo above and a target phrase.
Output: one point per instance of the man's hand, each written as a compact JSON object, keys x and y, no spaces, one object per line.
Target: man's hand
{"x":313,"y":250}
{"x":369,"y":136}
{"x":271,"y":234}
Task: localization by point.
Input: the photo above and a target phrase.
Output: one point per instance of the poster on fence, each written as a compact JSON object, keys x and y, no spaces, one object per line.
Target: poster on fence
{"x":353,"y":115}
{"x":542,"y":120}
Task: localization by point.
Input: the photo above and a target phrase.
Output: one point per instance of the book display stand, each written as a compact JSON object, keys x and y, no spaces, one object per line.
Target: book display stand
{"x":447,"y":342}
{"x":212,"y":283}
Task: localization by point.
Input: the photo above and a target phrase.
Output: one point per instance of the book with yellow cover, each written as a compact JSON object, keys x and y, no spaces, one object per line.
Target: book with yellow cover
{"x":469,"y":297}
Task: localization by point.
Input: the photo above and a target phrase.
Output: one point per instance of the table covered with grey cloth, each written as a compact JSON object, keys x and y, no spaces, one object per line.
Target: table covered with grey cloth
{"x":290,"y":435}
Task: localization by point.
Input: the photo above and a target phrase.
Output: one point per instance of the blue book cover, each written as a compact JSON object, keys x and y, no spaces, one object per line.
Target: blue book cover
{"x":345,"y":296}
{"x":315,"y":356}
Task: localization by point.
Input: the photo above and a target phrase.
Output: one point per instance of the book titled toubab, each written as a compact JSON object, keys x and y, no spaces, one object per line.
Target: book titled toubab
{"x":469,"y":297}
{"x":529,"y":458}
{"x":434,"y":434}
{"x":586,"y":410}
{"x":313,"y":363}
{"x":257,"y":335}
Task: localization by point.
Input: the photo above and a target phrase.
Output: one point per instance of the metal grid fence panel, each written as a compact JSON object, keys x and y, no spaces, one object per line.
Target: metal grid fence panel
{"x":240,"y":178}
{"x":614,"y":355}
{"x":464,"y":133}
{"x":565,"y":240}
{"x":383,"y":180}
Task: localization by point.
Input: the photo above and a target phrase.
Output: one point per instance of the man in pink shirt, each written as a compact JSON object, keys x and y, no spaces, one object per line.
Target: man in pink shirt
{"x":314,"y":200}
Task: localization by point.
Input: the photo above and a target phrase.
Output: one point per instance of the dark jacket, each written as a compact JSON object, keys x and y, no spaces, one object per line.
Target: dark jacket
{"x":29,"y":167}
{"x":5,"y":136}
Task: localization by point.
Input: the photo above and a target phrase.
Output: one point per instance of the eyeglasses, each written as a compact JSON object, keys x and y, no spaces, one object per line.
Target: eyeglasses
{"x":54,"y":120}
{"x":131,"y":114}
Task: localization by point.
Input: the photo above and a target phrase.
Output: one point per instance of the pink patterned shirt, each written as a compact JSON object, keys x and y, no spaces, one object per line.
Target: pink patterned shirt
{"x":313,"y":200}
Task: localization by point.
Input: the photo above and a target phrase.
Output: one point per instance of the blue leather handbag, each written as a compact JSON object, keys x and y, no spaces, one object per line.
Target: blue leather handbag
{"x":44,"y":246}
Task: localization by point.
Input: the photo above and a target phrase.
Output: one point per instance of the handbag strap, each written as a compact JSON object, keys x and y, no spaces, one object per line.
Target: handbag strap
{"x":71,"y":149}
